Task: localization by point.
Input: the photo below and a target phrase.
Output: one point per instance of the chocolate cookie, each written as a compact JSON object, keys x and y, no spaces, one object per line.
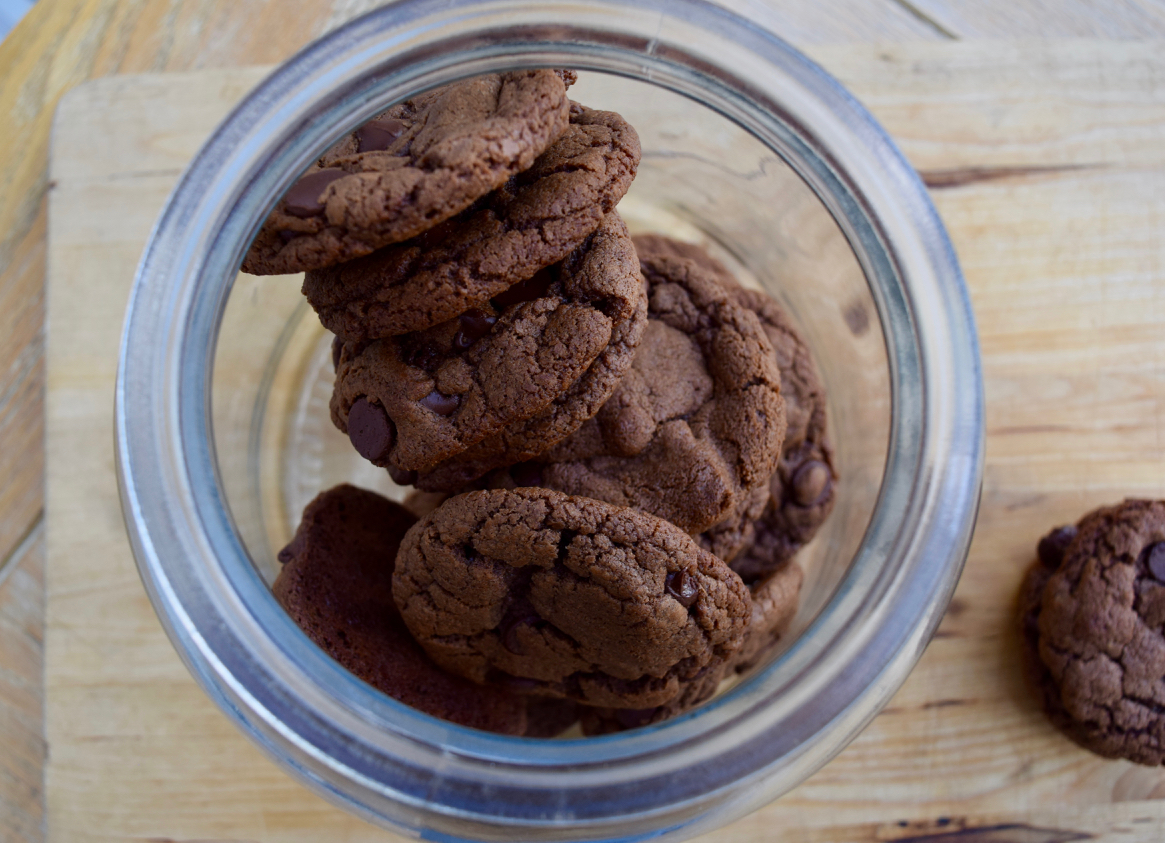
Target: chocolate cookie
{"x":414,"y":400}
{"x":737,"y":533}
{"x":415,"y":165}
{"x":336,"y":583}
{"x":802,"y":490}
{"x":533,"y":220}
{"x":774,"y":603}
{"x":697,"y":423}
{"x":1093,"y":624}
{"x":567,"y":596}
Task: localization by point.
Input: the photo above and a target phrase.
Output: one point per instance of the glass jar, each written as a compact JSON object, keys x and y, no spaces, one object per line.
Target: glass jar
{"x":749,"y":148}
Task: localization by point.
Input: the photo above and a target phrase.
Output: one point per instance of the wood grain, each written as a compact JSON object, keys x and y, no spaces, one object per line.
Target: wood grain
{"x":1115,"y":19}
{"x":22,"y":691}
{"x":63,"y":42}
{"x":1049,"y":168}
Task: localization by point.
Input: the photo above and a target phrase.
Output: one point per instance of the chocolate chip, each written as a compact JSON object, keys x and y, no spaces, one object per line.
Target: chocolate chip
{"x":402,"y":477}
{"x":294,"y":548}
{"x":528,"y":290}
{"x":370,"y":430}
{"x":378,"y":135}
{"x":337,"y":347}
{"x":526,"y":474}
{"x":303,"y":197}
{"x":1052,"y":546}
{"x":811,"y":482}
{"x":475,"y":324}
{"x":441,"y":404}
{"x":288,"y":236}
{"x":1156,"y":560}
{"x":633,"y":718}
{"x":683,"y":587}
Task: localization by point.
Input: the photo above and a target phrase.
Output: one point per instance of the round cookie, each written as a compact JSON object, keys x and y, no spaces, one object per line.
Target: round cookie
{"x":562,"y":417}
{"x":567,"y":596}
{"x":1093,"y":626}
{"x":533,"y":220}
{"x":336,"y":584}
{"x":414,"y":400}
{"x":774,"y":603}
{"x":802,"y":490}
{"x":418,"y":163}
{"x":697,"y":423}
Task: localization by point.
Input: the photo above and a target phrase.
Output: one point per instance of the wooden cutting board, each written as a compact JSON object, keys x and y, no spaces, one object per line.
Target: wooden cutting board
{"x":1047,"y":162}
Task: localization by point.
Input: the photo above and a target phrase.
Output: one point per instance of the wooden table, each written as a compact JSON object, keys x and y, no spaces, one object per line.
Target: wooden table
{"x":64,"y":42}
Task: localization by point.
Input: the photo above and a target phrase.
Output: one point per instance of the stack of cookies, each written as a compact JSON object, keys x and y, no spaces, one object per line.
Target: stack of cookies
{"x":617,"y":449}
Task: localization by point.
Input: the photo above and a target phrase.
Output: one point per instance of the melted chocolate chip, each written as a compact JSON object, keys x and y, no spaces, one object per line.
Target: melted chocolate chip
{"x":303,"y":198}
{"x":337,"y":347}
{"x":378,"y":135}
{"x":402,"y":477}
{"x":1156,"y":560}
{"x":526,"y":474}
{"x":811,"y":482}
{"x":475,"y":324}
{"x":528,"y":290}
{"x":683,"y":587}
{"x":370,"y":430}
{"x":441,"y":404}
{"x":1052,"y":546}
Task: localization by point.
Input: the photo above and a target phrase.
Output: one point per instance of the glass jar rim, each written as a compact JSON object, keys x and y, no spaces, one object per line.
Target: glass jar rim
{"x":397,"y":766}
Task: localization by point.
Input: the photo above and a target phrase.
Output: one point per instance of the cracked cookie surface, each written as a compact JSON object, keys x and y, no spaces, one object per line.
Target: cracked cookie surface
{"x":336,"y":584}
{"x":1093,"y":626}
{"x":763,"y":534}
{"x":533,"y":220}
{"x":697,"y":423}
{"x":411,"y":401}
{"x":774,"y":603}
{"x":413,"y":166}
{"x":567,"y":597}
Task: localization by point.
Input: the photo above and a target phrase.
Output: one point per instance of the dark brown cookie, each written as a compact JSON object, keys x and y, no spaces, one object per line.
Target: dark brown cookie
{"x":533,"y":220}
{"x":1093,"y":625}
{"x":737,"y":533}
{"x":774,"y":603}
{"x":697,"y":423}
{"x":567,"y":596}
{"x":521,"y":442}
{"x":336,"y":583}
{"x":802,"y":490}
{"x":415,"y":165}
{"x":414,"y":400}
